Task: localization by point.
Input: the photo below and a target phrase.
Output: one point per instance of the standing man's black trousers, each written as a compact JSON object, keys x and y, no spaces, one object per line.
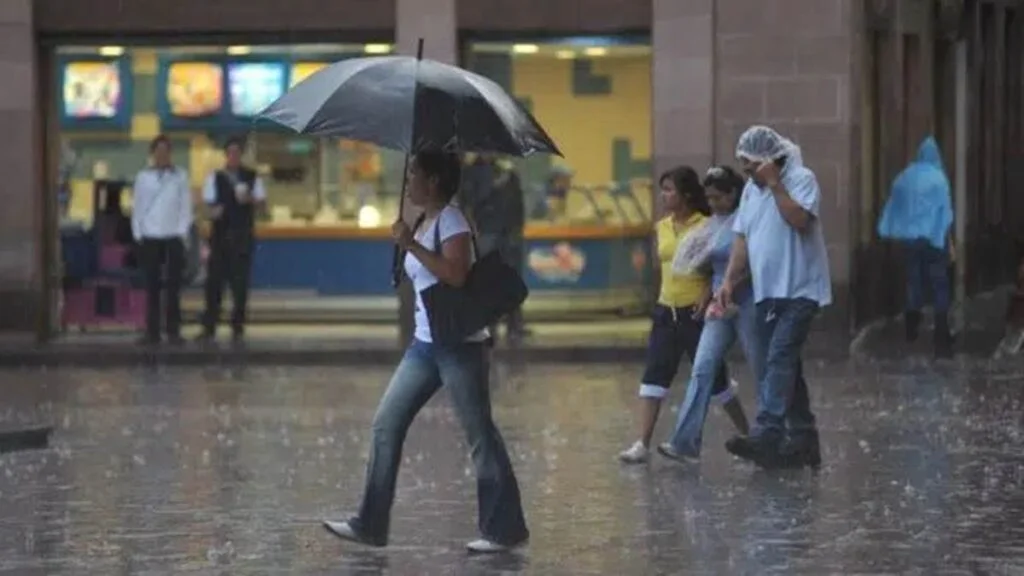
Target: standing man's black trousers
{"x":154,"y":254}
{"x":230,"y":263}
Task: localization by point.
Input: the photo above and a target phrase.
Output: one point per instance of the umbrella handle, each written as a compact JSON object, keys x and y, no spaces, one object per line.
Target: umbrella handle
{"x":396,"y":255}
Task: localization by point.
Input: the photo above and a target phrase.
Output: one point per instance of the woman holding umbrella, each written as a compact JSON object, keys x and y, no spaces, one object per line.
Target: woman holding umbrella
{"x":426,"y":367}
{"x":421,"y":106}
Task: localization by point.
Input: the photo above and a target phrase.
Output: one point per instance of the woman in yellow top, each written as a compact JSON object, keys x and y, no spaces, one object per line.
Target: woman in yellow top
{"x":679,"y":315}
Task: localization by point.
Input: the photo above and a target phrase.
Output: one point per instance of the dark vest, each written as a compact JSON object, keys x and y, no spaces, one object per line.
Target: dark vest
{"x":238,"y":219}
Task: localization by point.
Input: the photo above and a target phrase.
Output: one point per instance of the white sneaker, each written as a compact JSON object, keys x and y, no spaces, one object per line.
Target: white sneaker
{"x":345,"y":531}
{"x":484,"y":546}
{"x":635,"y":454}
{"x":342,"y":530}
{"x":668,"y":451}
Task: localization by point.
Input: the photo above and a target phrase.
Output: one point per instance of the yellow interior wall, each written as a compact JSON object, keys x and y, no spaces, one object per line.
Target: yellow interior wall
{"x":584,"y":126}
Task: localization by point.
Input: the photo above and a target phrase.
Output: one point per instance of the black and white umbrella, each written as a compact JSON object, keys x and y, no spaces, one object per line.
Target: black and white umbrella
{"x":404,"y":103}
{"x":410,"y":104}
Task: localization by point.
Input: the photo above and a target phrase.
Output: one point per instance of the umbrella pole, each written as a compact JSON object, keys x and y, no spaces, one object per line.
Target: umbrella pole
{"x":396,"y":255}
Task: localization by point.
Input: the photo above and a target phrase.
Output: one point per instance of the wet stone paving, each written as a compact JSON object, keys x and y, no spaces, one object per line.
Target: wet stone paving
{"x":229,"y":471}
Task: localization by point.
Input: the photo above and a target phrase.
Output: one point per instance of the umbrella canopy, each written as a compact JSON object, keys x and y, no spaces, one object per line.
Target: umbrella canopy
{"x":406,"y":104}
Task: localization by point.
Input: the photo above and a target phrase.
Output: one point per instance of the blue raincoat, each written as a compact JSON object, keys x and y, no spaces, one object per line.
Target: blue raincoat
{"x":920,"y":205}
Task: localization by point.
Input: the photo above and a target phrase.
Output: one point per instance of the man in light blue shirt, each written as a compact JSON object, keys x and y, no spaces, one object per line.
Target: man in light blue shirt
{"x":779,"y":242}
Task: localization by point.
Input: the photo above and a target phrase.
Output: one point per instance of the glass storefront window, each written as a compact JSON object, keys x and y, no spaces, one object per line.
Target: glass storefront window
{"x":114,"y":100}
{"x":593,"y":96}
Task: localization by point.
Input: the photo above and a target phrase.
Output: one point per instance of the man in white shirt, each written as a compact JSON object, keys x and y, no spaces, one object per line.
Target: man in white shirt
{"x":161,"y":220}
{"x":233,"y":195}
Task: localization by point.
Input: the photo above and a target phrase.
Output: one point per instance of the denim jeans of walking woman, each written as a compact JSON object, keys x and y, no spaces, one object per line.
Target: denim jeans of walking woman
{"x":715,"y":342}
{"x":424,"y":369}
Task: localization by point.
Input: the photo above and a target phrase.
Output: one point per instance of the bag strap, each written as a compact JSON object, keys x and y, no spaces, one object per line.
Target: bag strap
{"x":437,"y":238}
{"x":416,"y":226}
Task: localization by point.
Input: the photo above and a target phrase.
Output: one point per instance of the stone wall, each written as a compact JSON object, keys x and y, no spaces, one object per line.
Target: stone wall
{"x":20,"y":189}
{"x":683,"y":44}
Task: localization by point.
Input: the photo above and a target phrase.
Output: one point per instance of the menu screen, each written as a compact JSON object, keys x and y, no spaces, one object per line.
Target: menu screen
{"x":92,"y":90}
{"x":195,"y":89}
{"x":303,"y":70}
{"x":255,"y":86}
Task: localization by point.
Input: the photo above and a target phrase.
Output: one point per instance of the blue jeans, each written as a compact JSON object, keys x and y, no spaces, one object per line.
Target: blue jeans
{"x":926,"y":265}
{"x":783,"y":403}
{"x":715,"y":341}
{"x":463,"y":369}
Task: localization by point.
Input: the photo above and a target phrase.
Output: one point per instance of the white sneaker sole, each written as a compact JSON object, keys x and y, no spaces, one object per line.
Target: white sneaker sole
{"x":634,"y":459}
{"x":487,"y":547}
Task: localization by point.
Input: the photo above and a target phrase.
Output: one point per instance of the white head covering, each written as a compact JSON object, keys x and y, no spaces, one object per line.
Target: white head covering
{"x":763,"y":144}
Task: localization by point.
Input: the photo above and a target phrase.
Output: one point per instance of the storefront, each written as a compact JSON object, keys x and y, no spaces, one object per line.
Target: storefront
{"x":324,"y":246}
{"x":626,"y":89}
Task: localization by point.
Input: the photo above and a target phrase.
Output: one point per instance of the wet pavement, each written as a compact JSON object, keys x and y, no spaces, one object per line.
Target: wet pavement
{"x":229,"y":471}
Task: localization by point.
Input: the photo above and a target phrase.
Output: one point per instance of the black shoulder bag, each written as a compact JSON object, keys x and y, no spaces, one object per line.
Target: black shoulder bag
{"x":492,"y":290}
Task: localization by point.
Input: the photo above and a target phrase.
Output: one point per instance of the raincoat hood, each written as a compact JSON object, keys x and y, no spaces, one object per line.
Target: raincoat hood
{"x":920,"y":204}
{"x":928,"y":153}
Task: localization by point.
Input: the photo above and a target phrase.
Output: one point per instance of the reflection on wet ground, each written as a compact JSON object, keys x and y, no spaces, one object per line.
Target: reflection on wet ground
{"x":192,"y":471}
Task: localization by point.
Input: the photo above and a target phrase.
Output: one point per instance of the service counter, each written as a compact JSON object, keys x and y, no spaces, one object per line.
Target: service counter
{"x":344,"y":272}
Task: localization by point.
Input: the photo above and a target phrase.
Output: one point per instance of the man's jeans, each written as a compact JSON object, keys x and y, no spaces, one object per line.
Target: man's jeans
{"x":716,"y":339}
{"x":783,"y":403}
{"x":926,"y":265}
{"x":423,"y":370}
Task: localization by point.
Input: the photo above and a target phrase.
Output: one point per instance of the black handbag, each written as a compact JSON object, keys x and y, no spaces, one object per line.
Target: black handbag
{"x":492,"y":290}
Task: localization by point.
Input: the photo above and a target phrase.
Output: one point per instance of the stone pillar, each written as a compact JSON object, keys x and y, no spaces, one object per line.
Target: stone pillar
{"x":434,"y":21}
{"x":683,"y":90}
{"x":22,"y":300}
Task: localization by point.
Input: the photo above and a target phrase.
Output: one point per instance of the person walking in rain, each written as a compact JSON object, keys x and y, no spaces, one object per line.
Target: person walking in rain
{"x":779,"y":241}
{"x":438,"y":249}
{"x":919,"y":215}
{"x":722,"y":327}
{"x":678,"y":318}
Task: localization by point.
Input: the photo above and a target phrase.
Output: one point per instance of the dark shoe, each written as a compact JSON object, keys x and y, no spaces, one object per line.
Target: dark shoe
{"x":912,"y":322}
{"x":762,"y":450}
{"x":800,"y":451}
{"x":148,"y":340}
{"x":238,"y":338}
{"x":176,"y":340}
{"x":943,"y":338}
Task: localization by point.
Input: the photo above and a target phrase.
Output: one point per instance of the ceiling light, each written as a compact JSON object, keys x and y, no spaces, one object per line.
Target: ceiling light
{"x":111,"y":51}
{"x":565,"y":54}
{"x":377,"y":48}
{"x":595,"y":51}
{"x":239,"y":50}
{"x":525,"y":48}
